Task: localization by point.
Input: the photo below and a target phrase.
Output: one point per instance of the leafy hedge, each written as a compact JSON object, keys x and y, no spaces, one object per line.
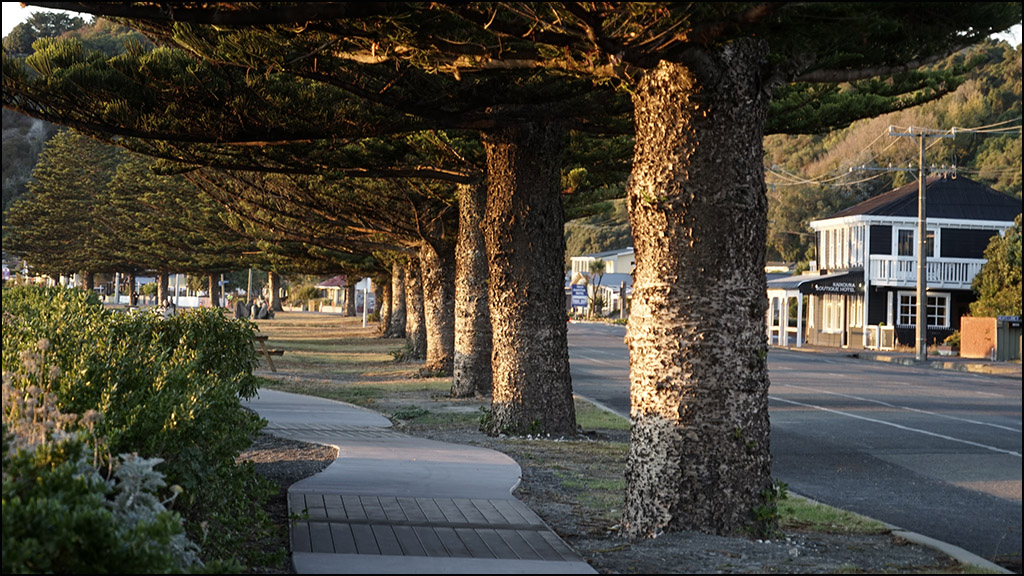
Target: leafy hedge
{"x":61,"y":515}
{"x":168,"y":388}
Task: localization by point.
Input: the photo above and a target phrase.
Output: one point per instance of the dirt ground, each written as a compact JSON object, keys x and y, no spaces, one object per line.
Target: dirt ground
{"x":595,"y":538}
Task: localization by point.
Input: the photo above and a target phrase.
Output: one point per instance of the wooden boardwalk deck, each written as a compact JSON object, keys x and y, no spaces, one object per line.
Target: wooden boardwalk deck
{"x":428,"y":527}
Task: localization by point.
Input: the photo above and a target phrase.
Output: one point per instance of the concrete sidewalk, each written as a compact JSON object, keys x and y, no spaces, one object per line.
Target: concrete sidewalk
{"x":392,"y":503}
{"x":935,"y":362}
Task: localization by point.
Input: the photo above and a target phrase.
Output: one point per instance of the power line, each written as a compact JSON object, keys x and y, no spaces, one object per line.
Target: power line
{"x":789,"y":179}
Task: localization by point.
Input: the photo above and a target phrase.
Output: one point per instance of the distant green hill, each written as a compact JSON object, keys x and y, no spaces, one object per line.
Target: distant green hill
{"x":24,"y":137}
{"x":813,"y":176}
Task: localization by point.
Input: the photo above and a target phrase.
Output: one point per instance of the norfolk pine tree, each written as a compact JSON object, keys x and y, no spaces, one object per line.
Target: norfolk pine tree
{"x":553,"y":411}
{"x":707,"y":81}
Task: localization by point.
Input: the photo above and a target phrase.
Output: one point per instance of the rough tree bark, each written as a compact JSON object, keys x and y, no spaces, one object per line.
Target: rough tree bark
{"x":213,"y":289}
{"x":472,"y":371}
{"x":274,"y":286}
{"x":88,"y":280}
{"x":415,"y":324}
{"x":699,"y":452}
{"x":437,"y":274}
{"x":163,"y":282}
{"x":350,"y":296}
{"x":523,"y":231}
{"x":396,"y":324}
{"x":383,"y":294}
{"x":378,"y":296}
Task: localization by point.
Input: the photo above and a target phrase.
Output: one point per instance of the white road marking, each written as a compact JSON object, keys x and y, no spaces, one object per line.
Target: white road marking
{"x":900,"y":427}
{"x":907,"y":408}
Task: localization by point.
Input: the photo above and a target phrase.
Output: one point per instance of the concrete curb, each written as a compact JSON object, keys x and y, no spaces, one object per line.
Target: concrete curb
{"x":955,"y":552}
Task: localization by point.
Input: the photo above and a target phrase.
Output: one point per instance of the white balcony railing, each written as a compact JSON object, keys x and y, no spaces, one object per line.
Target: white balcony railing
{"x":950,"y":273}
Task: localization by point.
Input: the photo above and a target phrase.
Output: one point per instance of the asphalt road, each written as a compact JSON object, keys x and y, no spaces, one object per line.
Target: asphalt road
{"x":935,"y":452}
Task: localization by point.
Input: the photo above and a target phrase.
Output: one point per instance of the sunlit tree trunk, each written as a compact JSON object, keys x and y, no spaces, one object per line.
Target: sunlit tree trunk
{"x":383,"y":293}
{"x":350,"y":296}
{"x":415,"y":324}
{"x":213,"y":289}
{"x":378,"y":296}
{"x":274,"y":286}
{"x":396,"y":324}
{"x":699,"y":451}
{"x":88,"y":280}
{"x":437,"y":273}
{"x":524,"y":234}
{"x":472,"y":372}
{"x":163,"y":282}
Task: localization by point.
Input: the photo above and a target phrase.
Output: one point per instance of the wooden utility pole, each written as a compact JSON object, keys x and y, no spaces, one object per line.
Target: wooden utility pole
{"x":922,"y":235}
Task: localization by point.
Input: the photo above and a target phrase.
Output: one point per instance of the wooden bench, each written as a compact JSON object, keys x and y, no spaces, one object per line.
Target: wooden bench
{"x":261,"y":341}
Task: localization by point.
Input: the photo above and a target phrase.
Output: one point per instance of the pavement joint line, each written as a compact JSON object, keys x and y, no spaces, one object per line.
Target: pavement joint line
{"x":426,"y":524}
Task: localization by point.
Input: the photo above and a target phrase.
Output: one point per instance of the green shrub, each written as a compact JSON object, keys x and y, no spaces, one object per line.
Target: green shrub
{"x":60,"y":514}
{"x":304,"y":293}
{"x":168,"y":388}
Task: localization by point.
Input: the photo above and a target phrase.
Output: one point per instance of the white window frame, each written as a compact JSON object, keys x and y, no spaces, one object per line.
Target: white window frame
{"x":900,"y":232}
{"x":938,"y":309}
{"x":832,"y":311}
{"x":857,"y":311}
{"x":933,"y":233}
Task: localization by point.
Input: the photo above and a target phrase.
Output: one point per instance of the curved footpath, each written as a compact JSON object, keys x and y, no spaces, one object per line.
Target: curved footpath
{"x":396,"y":504}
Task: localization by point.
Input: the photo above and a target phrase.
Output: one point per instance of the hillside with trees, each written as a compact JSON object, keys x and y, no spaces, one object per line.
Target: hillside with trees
{"x":24,"y":137}
{"x":813,"y":176}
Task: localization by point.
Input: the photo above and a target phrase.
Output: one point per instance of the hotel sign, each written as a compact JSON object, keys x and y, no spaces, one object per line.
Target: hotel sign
{"x":826,"y":287}
{"x":842,"y":284}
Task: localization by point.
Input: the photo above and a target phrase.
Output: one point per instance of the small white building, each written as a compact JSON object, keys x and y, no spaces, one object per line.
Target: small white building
{"x":619,"y":261}
{"x":862,"y":290}
{"x":613,"y":285}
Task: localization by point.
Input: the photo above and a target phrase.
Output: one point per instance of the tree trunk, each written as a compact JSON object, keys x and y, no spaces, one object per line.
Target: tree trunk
{"x":415,"y":324}
{"x":163,"y":288}
{"x":396,"y":325}
{"x":274,"y":286}
{"x":383,"y":294}
{"x":133,"y":294}
{"x":437,"y":273}
{"x":88,"y":280}
{"x":350,"y":296}
{"x":214,"y":290}
{"x":472,"y":367}
{"x":523,"y":229}
{"x":699,"y":451}
{"x":378,"y":296}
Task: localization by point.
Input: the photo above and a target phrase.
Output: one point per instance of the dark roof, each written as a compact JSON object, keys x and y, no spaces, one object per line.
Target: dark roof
{"x":947,"y":197}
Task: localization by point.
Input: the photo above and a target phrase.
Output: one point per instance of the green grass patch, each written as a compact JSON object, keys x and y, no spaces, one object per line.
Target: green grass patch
{"x":414,"y":418}
{"x":592,"y":417}
{"x":796,"y":513}
{"x":336,"y":358}
{"x":596,"y":477}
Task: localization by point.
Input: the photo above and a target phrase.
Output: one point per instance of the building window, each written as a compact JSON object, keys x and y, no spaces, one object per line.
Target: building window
{"x":905,"y":243}
{"x":857,"y":311}
{"x":938,"y":310}
{"x":857,"y":256}
{"x":832,"y":314}
{"x":906,"y":239}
